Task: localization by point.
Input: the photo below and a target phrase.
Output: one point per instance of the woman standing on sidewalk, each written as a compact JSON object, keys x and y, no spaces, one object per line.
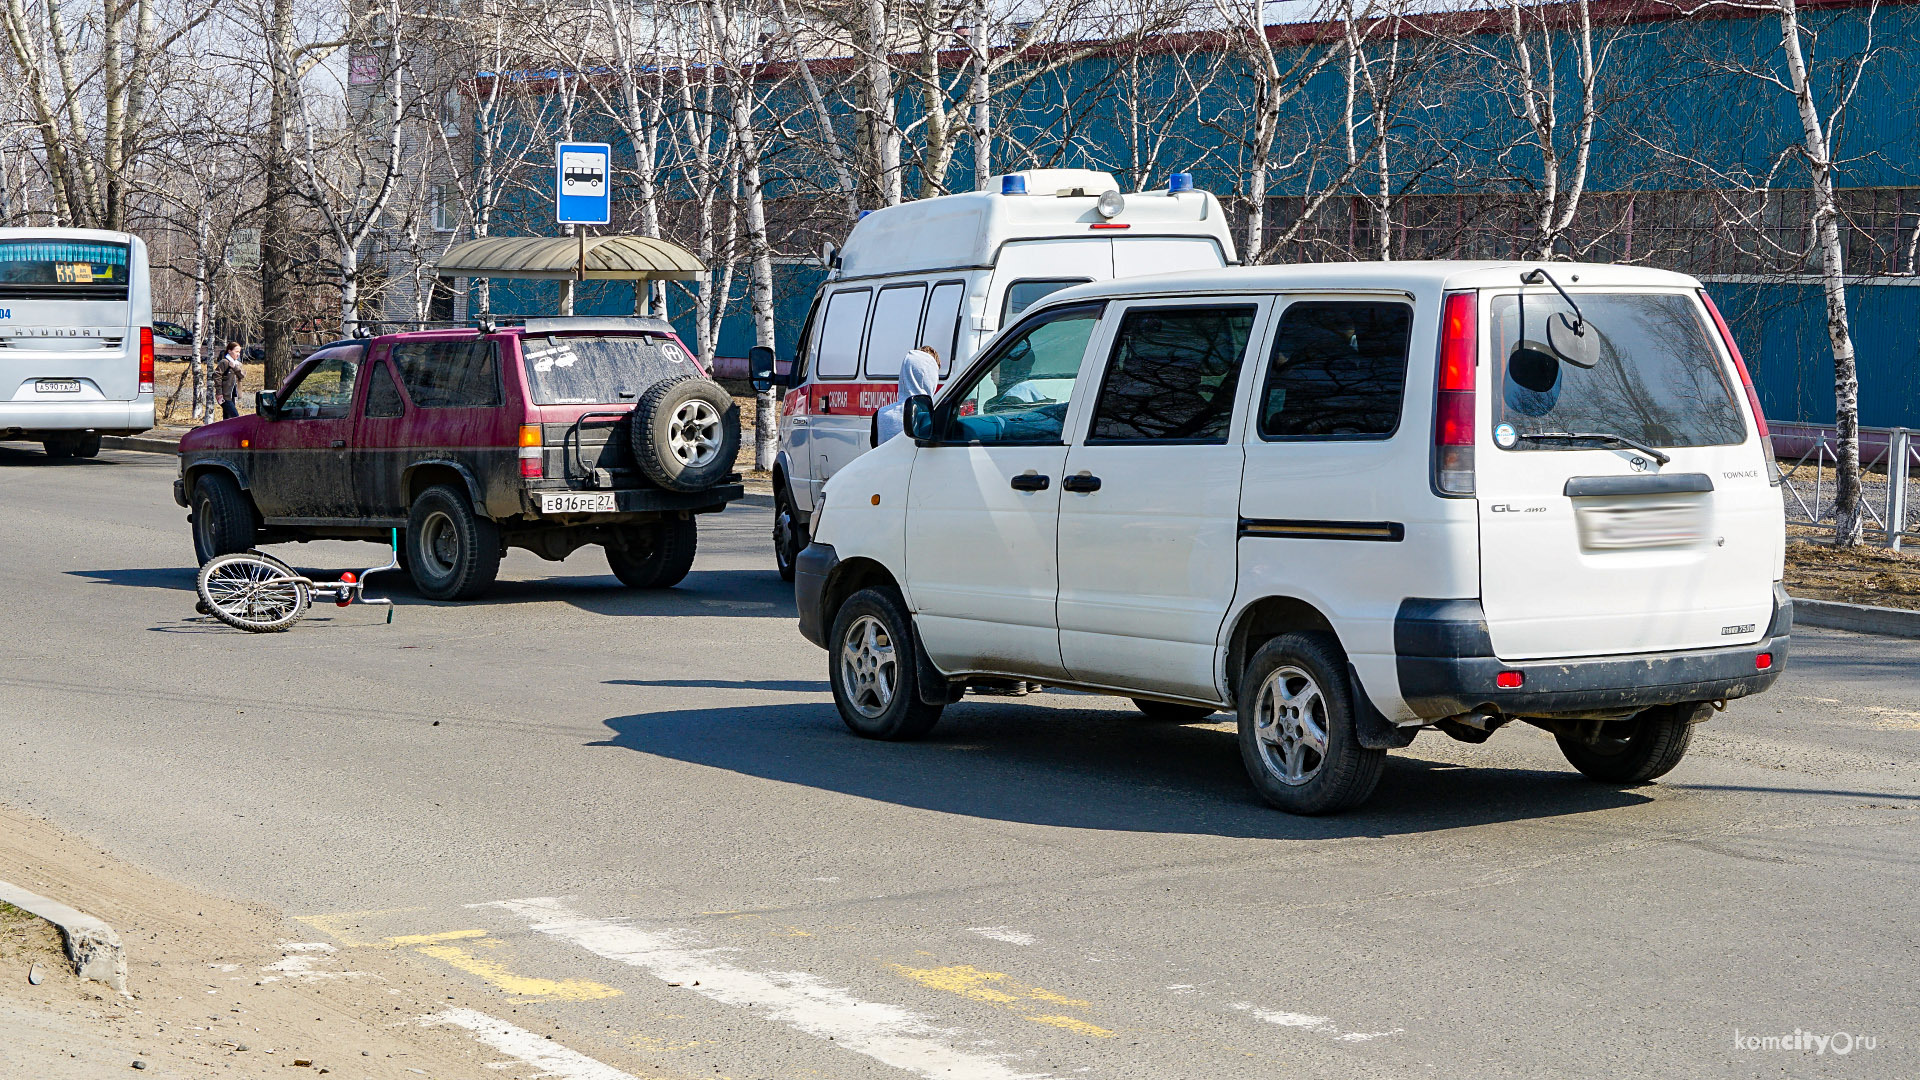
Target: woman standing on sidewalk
{"x":229,"y":372}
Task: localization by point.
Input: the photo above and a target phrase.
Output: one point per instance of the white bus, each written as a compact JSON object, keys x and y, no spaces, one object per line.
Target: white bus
{"x":76,"y":338}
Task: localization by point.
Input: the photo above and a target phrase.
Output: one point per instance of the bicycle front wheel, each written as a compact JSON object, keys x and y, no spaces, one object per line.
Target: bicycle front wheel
{"x":253,"y":592}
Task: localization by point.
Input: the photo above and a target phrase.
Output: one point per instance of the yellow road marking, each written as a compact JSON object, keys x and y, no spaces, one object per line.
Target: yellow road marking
{"x":435,"y":945}
{"x":330,"y":923}
{"x":405,"y":941}
{"x":995,"y":988}
{"x":1078,"y":1027}
{"x":518,"y":985}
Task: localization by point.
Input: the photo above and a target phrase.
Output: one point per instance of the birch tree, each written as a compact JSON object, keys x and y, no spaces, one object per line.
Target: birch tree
{"x":1821,"y":85}
{"x":349,"y":187}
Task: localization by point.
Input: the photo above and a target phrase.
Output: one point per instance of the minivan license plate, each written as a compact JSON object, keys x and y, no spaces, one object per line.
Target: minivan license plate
{"x":58,"y":386}
{"x":1672,"y":524}
{"x":578,"y":502}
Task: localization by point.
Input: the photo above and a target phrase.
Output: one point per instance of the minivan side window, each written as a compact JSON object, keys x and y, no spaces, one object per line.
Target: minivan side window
{"x":1172,"y":375}
{"x":839,"y":354}
{"x":942,"y":328}
{"x":1022,"y":295}
{"x":896,"y":329}
{"x":450,"y":374}
{"x":1338,"y":370}
{"x":1021,"y":392}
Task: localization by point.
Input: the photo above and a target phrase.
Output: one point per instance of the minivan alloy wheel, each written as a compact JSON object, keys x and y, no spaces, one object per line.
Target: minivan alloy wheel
{"x":869,"y":666}
{"x":694,"y":436}
{"x":1290,"y":721}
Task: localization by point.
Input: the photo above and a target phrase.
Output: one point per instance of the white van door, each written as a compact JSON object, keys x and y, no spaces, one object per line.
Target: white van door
{"x":1589,"y":545}
{"x":983,"y":505}
{"x":1149,"y":510}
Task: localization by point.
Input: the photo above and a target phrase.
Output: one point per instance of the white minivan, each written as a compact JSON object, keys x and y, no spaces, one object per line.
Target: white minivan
{"x":76,"y":338}
{"x":1348,"y":502}
{"x":948,"y":272}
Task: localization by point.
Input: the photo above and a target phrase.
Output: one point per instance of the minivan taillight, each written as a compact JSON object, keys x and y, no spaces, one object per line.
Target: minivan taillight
{"x":1453,"y":399}
{"x":146,"y":360}
{"x":1746,"y":384}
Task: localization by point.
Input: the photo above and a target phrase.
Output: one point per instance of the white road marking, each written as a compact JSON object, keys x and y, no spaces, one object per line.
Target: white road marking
{"x":1002,"y":933}
{"x":886,"y":1033}
{"x":1318,"y":1024}
{"x":542,"y":1053}
{"x":303,"y":961}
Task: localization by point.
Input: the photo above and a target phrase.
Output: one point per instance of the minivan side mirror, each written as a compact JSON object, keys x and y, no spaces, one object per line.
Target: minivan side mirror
{"x":760,"y":369}
{"x":267,"y":404}
{"x":916,"y":419}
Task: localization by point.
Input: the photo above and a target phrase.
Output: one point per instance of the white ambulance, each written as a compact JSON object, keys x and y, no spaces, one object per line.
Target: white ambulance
{"x":949,"y":272}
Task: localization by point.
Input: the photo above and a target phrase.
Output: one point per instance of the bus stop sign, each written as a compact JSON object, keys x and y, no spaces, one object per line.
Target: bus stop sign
{"x":582,"y":195}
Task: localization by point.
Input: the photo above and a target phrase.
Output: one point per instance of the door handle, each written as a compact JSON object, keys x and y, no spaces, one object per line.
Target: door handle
{"x":1084,"y":483}
{"x":337,"y":443}
{"x":1031,"y":482}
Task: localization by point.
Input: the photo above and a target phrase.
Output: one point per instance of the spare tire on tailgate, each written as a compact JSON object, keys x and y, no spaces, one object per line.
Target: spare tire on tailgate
{"x":686,"y":433}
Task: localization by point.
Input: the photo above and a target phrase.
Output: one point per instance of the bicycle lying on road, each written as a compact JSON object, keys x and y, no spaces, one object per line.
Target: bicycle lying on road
{"x":255,"y":592}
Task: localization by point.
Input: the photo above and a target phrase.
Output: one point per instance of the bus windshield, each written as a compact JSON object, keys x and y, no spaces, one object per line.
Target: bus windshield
{"x":63,"y":269}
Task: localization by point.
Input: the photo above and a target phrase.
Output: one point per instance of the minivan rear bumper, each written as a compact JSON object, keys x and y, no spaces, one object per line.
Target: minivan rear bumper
{"x":1446,"y":666}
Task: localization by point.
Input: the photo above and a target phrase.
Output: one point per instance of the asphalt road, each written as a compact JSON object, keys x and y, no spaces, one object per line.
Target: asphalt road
{"x":647,"y":808}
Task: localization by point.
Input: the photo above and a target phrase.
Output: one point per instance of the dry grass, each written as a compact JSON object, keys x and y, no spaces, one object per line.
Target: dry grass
{"x":173,"y":391}
{"x":26,"y":940}
{"x":1862,"y":575}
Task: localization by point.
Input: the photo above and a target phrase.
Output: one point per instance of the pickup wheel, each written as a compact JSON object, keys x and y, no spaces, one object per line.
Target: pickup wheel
{"x":222,"y":517}
{"x":452,"y":552}
{"x":789,"y":536}
{"x":1297,"y":733}
{"x":656,"y":555}
{"x":686,"y":433}
{"x":1164,"y":712}
{"x":1635,"y":750}
{"x":871,"y":666}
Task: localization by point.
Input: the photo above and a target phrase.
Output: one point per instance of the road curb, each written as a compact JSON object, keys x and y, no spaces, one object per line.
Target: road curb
{"x":151,"y":444}
{"x":92,"y":946}
{"x":1861,"y":618}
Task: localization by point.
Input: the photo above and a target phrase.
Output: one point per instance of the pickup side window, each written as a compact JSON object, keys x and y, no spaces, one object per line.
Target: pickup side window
{"x":1173,"y":375}
{"x":1339,"y":370}
{"x":840,"y":333}
{"x":1020,"y":392}
{"x":383,"y":394}
{"x":324,"y":393}
{"x":450,"y":374}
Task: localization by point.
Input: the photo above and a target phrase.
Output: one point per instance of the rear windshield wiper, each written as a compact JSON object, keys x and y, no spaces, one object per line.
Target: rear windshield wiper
{"x":1596,"y":436}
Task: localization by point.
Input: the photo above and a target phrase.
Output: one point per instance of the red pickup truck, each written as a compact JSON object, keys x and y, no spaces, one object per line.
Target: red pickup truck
{"x":548,"y":436}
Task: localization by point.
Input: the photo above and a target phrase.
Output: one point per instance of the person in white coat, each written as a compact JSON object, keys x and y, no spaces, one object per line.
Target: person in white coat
{"x":919,"y":374}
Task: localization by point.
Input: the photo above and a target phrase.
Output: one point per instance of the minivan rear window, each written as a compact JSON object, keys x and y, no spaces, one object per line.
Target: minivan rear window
{"x":63,"y":269}
{"x":1659,"y":379}
{"x":587,"y":370}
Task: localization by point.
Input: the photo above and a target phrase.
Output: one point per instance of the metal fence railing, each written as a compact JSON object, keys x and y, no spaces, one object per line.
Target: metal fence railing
{"x":1889,"y":480}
